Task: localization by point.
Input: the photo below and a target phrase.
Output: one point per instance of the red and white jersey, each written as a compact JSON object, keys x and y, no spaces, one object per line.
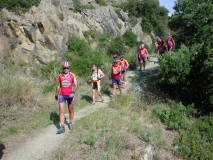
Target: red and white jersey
{"x":123,"y":63}
{"x":66,"y":81}
{"x":116,"y":72}
{"x":143,"y":53}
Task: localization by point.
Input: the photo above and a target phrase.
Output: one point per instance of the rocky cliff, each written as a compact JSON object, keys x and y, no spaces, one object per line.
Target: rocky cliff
{"x":42,"y":34}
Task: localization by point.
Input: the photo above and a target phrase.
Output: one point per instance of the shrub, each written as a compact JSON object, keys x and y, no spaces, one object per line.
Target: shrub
{"x":101,"y":2}
{"x":175,"y":115}
{"x":130,"y":38}
{"x":82,"y":56}
{"x":117,"y":45}
{"x":19,"y":5}
{"x":197,"y":142}
{"x":173,"y":70}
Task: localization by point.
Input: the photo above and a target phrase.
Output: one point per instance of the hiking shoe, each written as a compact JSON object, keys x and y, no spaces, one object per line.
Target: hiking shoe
{"x":61,"y":130}
{"x":70,"y":126}
{"x":93,"y":103}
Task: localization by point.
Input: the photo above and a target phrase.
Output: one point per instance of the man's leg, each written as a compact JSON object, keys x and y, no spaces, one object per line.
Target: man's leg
{"x":114,"y":90}
{"x":61,"y":113}
{"x":71,"y":112}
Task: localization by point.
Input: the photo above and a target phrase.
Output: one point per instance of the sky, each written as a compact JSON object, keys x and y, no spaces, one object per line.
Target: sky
{"x":168,"y":4}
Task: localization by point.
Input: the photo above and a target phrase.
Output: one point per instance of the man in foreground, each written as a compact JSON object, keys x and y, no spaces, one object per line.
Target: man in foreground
{"x":65,"y":91}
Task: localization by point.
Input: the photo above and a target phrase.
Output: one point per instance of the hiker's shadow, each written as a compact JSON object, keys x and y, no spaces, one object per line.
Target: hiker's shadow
{"x":2,"y":147}
{"x":55,"y":118}
{"x":87,"y":98}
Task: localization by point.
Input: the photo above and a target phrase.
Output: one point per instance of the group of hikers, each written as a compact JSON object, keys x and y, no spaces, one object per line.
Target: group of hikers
{"x":67,"y":84}
{"x":162,"y":48}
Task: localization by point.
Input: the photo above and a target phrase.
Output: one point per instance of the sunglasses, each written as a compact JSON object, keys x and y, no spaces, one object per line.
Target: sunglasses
{"x":66,"y":68}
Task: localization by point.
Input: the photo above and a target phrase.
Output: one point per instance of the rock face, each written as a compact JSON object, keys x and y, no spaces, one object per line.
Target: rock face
{"x":41,"y":35}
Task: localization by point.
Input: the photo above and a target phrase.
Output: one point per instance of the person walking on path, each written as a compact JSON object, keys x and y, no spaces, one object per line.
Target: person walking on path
{"x":162,"y":48}
{"x":96,"y":76}
{"x":124,"y":66}
{"x":65,"y":90}
{"x":142,"y":56}
{"x":170,"y":43}
{"x":116,"y":77}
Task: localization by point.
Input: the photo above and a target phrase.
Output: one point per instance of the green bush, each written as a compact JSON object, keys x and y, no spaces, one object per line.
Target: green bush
{"x":117,"y":45}
{"x":197,"y":142}
{"x":130,"y":38}
{"x":49,"y":69}
{"x":175,"y":115}
{"x":173,"y":70}
{"x":101,"y":2}
{"x":18,"y":6}
{"x":82,"y":56}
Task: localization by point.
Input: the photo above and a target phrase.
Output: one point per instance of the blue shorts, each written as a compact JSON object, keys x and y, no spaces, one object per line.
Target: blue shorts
{"x":116,"y":81}
{"x":142,"y":59}
{"x":123,"y":72}
{"x":170,"y":48}
{"x":64,"y":98}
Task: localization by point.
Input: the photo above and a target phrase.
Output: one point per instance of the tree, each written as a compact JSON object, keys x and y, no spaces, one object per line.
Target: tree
{"x":192,"y":21}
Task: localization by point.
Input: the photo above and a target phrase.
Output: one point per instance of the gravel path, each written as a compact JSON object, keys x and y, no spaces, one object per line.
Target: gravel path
{"x":40,"y":143}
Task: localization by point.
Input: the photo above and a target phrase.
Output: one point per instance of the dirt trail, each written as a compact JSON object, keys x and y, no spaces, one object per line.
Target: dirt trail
{"x":40,"y":143}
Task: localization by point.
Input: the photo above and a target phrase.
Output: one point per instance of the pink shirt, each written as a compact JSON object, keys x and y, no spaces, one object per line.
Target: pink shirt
{"x":143,"y":53}
{"x":123,"y":63}
{"x":66,"y":82}
{"x":115,"y":73}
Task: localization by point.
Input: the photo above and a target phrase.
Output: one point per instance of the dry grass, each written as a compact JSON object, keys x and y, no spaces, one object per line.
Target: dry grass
{"x":122,"y":131}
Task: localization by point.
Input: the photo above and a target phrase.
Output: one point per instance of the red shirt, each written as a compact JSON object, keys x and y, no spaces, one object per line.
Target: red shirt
{"x":162,"y":49}
{"x":66,"y":82}
{"x":123,"y":63}
{"x":143,"y":52}
{"x":116,"y":72}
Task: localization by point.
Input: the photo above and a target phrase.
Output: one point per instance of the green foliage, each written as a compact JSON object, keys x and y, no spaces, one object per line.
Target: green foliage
{"x":119,"y":25}
{"x":175,"y":115}
{"x":47,"y":70}
{"x":197,"y":141}
{"x":78,"y":7}
{"x":173,"y":70}
{"x":101,"y":2}
{"x":92,"y":139}
{"x":130,"y":38}
{"x":133,"y":20}
{"x":117,"y":45}
{"x":181,"y":75}
{"x":82,"y":56}
{"x":18,"y":6}
{"x":192,"y":21}
{"x":49,"y":88}
{"x":146,"y":25}
{"x":153,"y":15}
{"x":61,"y":16}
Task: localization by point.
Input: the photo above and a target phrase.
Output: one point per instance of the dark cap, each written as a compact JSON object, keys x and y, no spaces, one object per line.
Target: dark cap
{"x":115,"y":61}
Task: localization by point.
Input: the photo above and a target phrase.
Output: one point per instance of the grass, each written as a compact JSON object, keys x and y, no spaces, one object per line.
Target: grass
{"x":110,"y":132}
{"x":115,"y":132}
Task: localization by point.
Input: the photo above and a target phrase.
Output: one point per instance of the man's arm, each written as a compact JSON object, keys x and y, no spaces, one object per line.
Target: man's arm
{"x":75,"y":84}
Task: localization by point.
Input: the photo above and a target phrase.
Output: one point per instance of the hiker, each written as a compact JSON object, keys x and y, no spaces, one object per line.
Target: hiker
{"x":142,"y":56}
{"x":116,"y":77}
{"x":96,"y":76}
{"x":65,"y":91}
{"x":115,"y":56}
{"x":158,"y":43}
{"x":170,"y":43}
{"x":124,"y":66}
{"x":162,"y":48}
